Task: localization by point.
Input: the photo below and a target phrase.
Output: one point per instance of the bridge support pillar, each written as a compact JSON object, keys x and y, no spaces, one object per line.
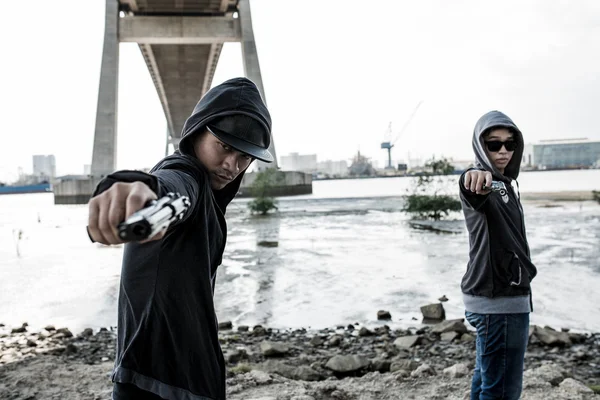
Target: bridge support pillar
{"x":105,"y":135}
{"x":251,"y":65}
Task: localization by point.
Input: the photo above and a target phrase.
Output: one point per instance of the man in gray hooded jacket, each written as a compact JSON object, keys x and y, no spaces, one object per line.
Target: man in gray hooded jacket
{"x":168,"y":342}
{"x":496,"y":286}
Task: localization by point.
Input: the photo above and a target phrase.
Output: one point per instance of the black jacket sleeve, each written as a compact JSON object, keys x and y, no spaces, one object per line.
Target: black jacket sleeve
{"x":476,"y":201}
{"x":161,"y":182}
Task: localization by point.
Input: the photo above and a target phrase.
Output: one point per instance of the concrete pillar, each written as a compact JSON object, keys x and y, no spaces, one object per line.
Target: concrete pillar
{"x":251,"y":65}
{"x":105,"y":136}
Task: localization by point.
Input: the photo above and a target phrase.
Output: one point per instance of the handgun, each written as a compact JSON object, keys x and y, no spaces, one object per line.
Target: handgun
{"x":156,"y":216}
{"x":497,"y":186}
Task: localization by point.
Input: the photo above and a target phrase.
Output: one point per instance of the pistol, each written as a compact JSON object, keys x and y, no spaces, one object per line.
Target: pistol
{"x":156,"y":216}
{"x":497,"y":186}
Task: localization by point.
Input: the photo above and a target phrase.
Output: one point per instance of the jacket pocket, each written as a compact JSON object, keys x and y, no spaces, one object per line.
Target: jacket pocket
{"x":509,"y":270}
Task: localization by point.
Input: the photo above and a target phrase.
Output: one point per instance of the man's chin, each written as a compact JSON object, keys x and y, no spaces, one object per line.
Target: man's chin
{"x":217,"y":185}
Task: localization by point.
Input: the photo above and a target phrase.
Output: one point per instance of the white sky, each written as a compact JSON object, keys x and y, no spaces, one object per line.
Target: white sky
{"x":335,"y":74}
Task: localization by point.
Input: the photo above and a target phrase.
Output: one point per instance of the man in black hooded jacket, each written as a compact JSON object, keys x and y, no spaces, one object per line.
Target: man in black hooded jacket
{"x":496,"y":286}
{"x":168,"y":344}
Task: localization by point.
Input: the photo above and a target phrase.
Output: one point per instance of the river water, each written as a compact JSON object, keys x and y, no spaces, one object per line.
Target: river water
{"x":343,"y":253}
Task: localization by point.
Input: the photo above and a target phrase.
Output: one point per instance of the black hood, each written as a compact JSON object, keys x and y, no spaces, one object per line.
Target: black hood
{"x":234,"y":96}
{"x":496,"y":119}
{"x":237,"y":96}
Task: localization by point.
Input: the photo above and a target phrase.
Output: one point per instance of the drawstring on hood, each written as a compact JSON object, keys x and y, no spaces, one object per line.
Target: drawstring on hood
{"x":496,"y":119}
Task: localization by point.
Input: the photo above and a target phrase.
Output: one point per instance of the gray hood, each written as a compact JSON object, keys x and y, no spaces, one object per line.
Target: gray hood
{"x":496,"y":119}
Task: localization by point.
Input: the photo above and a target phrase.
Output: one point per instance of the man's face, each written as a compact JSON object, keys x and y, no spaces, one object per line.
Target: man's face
{"x":223,"y":163}
{"x":499,"y":156}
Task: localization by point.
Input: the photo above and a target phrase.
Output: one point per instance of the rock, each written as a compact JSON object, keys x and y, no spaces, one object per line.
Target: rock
{"x":273,"y":349}
{"x":243,"y":328}
{"x":20,"y":329}
{"x":2,"y":325}
{"x":380,"y":365}
{"x":572,"y":389}
{"x":43,"y":334}
{"x":406,"y":342}
{"x":550,"y":337}
{"x":71,"y":349}
{"x":364,"y":332}
{"x":467,"y":337}
{"x":577,"y":338}
{"x":548,"y":373}
{"x":335,"y":341}
{"x":302,"y":397}
{"x":226,"y":325}
{"x":456,"y":371}
{"x":401,"y":374}
{"x":316,"y":341}
{"x":277,"y":367}
{"x":259,"y":331}
{"x":406,"y":365}
{"x":384,"y":315}
{"x":268,"y":243}
{"x":346,"y":364}
{"x":450,"y":336}
{"x":452,"y":325}
{"x":423,"y":371}
{"x":63,"y":333}
{"x":433,"y":312}
{"x":87,"y":332}
{"x":236,"y":356}
{"x":260,"y":377}
{"x":31,"y":343}
{"x":50,"y":328}
{"x":350,"y":327}
{"x":443,"y":299}
{"x":305,"y":373}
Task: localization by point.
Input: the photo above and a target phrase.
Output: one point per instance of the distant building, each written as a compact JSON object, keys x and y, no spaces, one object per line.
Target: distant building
{"x":87,"y":169}
{"x":562,"y":154}
{"x":44,"y":167}
{"x":333,"y":168}
{"x":299,"y":162}
{"x":461,"y":165}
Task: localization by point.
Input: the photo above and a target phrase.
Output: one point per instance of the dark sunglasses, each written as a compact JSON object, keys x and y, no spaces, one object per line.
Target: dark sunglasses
{"x":496,"y":145}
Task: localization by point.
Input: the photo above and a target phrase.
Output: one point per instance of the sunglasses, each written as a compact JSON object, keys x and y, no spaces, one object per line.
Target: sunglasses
{"x":496,"y":145}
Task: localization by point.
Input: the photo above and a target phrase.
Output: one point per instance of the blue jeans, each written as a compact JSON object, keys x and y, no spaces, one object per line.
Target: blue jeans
{"x":501,"y":344}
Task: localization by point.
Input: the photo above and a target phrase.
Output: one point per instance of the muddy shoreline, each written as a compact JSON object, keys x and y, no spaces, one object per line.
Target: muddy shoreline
{"x":344,"y":362}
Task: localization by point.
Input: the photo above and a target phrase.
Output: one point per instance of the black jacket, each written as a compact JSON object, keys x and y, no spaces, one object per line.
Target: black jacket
{"x":499,"y":266}
{"x":167,"y":328}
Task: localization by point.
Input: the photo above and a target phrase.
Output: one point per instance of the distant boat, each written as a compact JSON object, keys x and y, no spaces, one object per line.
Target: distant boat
{"x":20,"y":189}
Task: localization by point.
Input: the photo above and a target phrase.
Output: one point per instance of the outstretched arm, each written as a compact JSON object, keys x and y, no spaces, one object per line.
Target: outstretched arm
{"x":123,"y":193}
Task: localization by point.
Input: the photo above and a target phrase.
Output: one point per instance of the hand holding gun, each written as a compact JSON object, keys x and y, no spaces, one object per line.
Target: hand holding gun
{"x":155,"y":217}
{"x":496,"y":186}
{"x":131,"y":212}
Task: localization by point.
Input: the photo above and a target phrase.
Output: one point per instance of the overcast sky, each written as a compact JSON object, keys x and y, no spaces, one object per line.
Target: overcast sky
{"x":334,"y":77}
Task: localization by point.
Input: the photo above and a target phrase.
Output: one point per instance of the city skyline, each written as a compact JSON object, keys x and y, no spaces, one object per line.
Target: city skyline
{"x":329,"y":95}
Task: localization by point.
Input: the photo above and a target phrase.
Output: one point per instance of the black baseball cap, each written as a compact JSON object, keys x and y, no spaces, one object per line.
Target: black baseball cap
{"x":244,"y":134}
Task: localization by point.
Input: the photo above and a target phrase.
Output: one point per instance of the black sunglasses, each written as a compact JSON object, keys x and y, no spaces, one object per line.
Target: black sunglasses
{"x":496,"y":145}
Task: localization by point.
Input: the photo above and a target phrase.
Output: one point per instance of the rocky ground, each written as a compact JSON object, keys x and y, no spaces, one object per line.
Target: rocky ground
{"x":351,"y":362}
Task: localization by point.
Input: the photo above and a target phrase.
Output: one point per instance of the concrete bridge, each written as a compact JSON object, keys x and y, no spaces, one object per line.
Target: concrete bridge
{"x":181,"y":41}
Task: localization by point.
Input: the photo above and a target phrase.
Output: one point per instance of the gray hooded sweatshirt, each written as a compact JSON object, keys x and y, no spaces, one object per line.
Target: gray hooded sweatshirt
{"x":499,"y":270}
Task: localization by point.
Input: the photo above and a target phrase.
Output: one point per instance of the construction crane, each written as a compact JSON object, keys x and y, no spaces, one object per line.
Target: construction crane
{"x":389,"y":144}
